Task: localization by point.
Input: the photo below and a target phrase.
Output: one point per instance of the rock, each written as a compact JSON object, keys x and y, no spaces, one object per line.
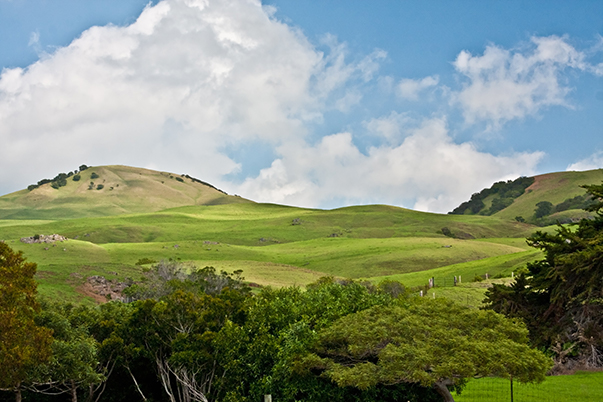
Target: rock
{"x":111,"y":289}
{"x":43,"y":239}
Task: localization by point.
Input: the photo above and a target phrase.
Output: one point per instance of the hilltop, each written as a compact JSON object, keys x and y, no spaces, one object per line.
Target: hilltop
{"x":542,"y":200}
{"x":109,"y":191}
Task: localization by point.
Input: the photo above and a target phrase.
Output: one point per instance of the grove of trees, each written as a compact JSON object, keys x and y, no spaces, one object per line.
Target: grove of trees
{"x":199,"y":335}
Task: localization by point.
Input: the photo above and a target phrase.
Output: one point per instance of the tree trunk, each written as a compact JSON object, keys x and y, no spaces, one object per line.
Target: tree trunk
{"x":442,"y":389}
{"x":73,"y":391}
{"x":18,"y":394}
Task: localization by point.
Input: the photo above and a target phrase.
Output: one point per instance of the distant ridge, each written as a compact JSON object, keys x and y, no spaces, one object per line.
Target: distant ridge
{"x":99,"y":191}
{"x":543,"y":200}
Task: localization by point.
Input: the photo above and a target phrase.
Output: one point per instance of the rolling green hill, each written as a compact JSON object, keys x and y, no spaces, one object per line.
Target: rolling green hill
{"x":141,"y":214}
{"x":272,"y":244}
{"x":562,"y":190}
{"x":117,"y":190}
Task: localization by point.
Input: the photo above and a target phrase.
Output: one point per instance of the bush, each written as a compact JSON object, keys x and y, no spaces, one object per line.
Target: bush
{"x":180,"y":179}
{"x":100,"y":187}
{"x":83,"y":167}
{"x":543,"y":208}
{"x":32,"y":187}
{"x":447,"y":232}
{"x":77,"y":177}
{"x":145,"y":260}
{"x":94,"y":175}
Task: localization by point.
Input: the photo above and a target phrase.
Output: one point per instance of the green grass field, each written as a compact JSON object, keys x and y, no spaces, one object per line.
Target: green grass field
{"x":273,"y":245}
{"x":579,"y":387}
{"x":159,"y":215}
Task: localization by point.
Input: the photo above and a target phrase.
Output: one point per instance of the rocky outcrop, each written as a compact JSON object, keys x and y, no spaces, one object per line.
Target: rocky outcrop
{"x":108,"y":288}
{"x":43,"y":239}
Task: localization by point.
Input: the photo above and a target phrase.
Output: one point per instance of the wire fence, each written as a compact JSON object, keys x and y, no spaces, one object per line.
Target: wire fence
{"x":504,"y":390}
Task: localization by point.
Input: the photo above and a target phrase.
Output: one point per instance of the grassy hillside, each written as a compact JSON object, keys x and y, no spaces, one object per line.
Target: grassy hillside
{"x":508,"y":200}
{"x":272,"y":244}
{"x":116,"y":190}
{"x":552,"y":187}
{"x":143,"y":214}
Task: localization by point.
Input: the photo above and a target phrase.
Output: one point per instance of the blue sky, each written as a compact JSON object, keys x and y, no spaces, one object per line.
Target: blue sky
{"x":309,"y":103}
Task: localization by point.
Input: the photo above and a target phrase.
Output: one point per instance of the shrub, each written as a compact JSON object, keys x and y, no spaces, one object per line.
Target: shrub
{"x":94,"y":175}
{"x":83,"y":167}
{"x":32,"y":187}
{"x":180,"y":179}
{"x":447,"y":232}
{"x":77,"y":177}
{"x":145,"y":260}
{"x":100,"y":187}
{"x":543,"y":208}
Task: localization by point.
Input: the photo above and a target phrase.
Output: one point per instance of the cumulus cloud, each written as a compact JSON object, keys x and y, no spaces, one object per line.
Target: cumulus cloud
{"x":503,"y":85}
{"x":410,"y":89}
{"x":427,"y":170}
{"x":594,"y":161}
{"x":170,"y":91}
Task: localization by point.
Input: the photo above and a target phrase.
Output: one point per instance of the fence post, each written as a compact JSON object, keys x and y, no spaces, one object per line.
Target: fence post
{"x":511,"y":388}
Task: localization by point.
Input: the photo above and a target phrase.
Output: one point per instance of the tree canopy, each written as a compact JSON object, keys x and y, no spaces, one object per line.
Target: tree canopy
{"x":433,"y":343}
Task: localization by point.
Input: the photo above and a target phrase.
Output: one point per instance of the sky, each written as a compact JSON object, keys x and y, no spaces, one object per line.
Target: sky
{"x":320,"y":104}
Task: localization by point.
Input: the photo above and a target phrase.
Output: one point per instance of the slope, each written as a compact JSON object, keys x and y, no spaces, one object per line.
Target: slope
{"x":111,"y":190}
{"x":561,"y":192}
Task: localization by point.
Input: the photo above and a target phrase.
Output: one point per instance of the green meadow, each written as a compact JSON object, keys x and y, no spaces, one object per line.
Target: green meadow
{"x":582,"y":386}
{"x":144,"y":214}
{"x":273,"y":245}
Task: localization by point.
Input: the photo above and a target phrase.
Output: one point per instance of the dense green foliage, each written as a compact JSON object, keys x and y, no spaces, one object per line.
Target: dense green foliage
{"x":23,"y":344}
{"x":504,"y":192}
{"x":434,"y":343}
{"x":561,"y":296}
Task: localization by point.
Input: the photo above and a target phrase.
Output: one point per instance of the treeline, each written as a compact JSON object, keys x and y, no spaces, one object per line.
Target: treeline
{"x":505,"y":192}
{"x":200,"y":335}
{"x":60,"y":180}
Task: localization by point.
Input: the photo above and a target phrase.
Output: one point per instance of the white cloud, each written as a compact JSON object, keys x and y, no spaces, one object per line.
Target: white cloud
{"x":410,"y":89}
{"x":427,"y":169}
{"x":595,"y":161}
{"x":170,"y":91}
{"x":503,"y":85}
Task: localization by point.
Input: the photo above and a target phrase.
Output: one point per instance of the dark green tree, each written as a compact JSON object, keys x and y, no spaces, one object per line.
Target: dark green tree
{"x":561,"y":296}
{"x":543,"y":208}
